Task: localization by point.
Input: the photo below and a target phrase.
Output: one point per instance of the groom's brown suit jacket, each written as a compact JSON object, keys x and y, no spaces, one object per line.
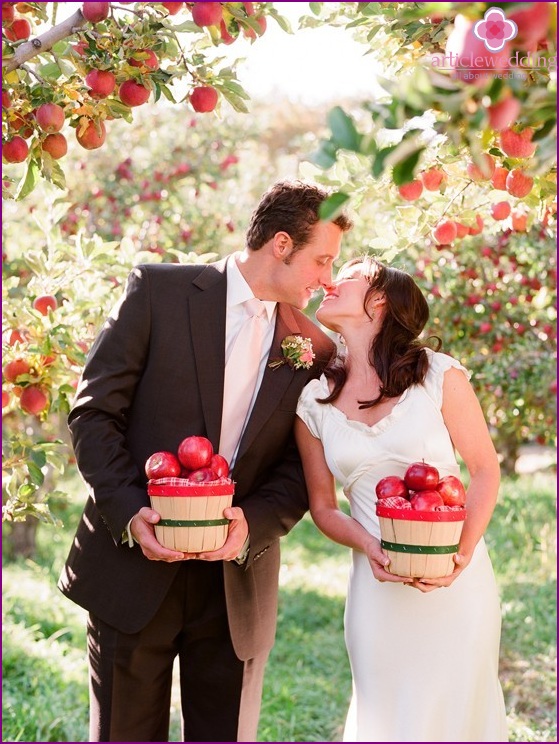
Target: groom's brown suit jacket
{"x":155,"y":376}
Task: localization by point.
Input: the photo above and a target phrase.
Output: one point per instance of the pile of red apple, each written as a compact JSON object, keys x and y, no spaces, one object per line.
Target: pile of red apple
{"x":421,"y":488}
{"x":195,"y":461}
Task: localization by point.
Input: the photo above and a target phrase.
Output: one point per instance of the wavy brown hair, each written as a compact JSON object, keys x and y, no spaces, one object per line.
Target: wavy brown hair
{"x":396,"y":353}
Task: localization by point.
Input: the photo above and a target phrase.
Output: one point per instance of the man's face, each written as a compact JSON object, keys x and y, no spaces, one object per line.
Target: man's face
{"x":309,"y":268}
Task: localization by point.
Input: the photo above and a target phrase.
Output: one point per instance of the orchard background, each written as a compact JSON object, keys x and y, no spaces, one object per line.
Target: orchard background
{"x":128,"y":137}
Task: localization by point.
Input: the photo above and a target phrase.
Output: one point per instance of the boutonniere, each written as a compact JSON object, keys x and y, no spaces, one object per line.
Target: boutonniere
{"x":297,"y":352}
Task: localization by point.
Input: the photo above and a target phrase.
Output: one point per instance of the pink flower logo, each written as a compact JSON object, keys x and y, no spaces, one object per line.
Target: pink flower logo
{"x":495,"y":30}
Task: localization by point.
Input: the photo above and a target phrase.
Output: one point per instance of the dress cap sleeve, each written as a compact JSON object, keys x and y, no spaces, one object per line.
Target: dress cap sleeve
{"x":439,"y":363}
{"x":308,"y":410}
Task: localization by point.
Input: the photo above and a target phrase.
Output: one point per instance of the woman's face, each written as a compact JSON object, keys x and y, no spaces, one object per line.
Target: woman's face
{"x":343,"y":301}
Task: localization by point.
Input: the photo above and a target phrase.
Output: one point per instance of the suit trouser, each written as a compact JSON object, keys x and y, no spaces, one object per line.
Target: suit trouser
{"x":131,"y":674}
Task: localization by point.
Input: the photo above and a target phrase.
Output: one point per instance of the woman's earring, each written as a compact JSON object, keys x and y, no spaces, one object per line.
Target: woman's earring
{"x":341,"y":339}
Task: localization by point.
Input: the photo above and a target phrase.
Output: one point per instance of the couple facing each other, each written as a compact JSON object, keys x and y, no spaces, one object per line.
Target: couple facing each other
{"x":423,"y":658}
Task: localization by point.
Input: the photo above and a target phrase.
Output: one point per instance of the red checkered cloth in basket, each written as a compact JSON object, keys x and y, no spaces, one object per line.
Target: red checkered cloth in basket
{"x":176,"y":482}
{"x":394,"y":502}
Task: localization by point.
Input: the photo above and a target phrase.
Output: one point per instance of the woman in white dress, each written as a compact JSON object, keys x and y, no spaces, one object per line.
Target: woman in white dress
{"x":424,"y":653}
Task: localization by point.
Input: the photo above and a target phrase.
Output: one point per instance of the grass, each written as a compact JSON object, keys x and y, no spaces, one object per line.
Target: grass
{"x":308,"y":683}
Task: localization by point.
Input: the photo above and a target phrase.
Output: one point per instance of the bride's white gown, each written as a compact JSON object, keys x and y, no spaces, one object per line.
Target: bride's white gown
{"x":424,"y":666}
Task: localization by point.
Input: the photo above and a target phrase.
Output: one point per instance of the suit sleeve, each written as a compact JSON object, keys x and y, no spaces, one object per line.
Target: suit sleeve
{"x":98,"y":419}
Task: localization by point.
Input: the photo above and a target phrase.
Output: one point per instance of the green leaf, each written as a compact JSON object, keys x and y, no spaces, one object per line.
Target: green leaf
{"x":544,"y":131}
{"x":333,"y":205}
{"x":343,"y":129}
{"x":35,"y":473}
{"x":167,"y":93}
{"x":378,"y":163}
{"x":235,"y":100}
{"x":325,"y":156}
{"x":28,"y":182}
{"x":50,"y":71}
{"x":315,"y":8}
{"x":403,"y":171}
{"x":282,"y":22}
{"x":39,"y":457}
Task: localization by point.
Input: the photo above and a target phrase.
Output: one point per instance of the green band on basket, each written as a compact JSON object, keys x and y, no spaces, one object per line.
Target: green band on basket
{"x":192,"y":522}
{"x":422,"y":549}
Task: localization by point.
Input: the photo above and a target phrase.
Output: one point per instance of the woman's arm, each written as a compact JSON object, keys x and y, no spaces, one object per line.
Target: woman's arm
{"x":468,"y":430}
{"x":324,"y":508}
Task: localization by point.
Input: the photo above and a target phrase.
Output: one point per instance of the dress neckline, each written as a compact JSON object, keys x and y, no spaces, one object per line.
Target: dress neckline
{"x":378,"y":426}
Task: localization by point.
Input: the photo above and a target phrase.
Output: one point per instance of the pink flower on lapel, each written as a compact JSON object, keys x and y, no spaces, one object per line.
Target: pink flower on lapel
{"x":297,"y":352}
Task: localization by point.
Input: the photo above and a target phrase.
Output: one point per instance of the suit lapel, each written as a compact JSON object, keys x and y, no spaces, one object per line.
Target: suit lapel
{"x":207,"y":321}
{"x":275,"y":381}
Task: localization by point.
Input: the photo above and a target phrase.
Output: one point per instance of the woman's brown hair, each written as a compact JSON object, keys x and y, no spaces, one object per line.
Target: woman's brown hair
{"x":396,"y":353}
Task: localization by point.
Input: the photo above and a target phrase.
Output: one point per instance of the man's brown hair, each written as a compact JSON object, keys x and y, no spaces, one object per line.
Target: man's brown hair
{"x":291,"y":207}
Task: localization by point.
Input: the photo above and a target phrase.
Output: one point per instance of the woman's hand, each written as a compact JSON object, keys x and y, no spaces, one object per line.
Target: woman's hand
{"x":379,"y":563}
{"x":428,"y":585}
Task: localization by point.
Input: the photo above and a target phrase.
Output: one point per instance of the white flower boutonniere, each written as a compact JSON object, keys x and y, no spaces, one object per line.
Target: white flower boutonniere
{"x":297,"y":352}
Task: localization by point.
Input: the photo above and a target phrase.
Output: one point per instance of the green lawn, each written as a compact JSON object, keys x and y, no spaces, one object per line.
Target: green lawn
{"x":308,"y":683}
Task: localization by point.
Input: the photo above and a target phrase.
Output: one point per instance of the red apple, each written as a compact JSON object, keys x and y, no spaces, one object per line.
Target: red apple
{"x":411,"y":191}
{"x":172,"y":8}
{"x":517,"y":144}
{"x":500,"y":210}
{"x":518,"y":183}
{"x":452,"y":491}
{"x":202,"y":475}
{"x":433,"y":178}
{"x":6,"y":99}
{"x":420,"y":476}
{"x":56,"y":145}
{"x":144,"y":58}
{"x":207,"y":14}
{"x":484,"y":171}
{"x":204,"y":99}
{"x":445,"y":232}
{"x":519,"y":221}
{"x":479,"y":226}
{"x":15,"y":150}
{"x":50,"y":117}
{"x":101,"y":83}
{"x":19,"y":30}
{"x":162,"y":465}
{"x":532,"y":21}
{"x":93,"y":136}
{"x":7,"y":13}
{"x":195,"y":452}
{"x":95,"y":12}
{"x":503,"y":113}
{"x":220,"y":466}
{"x":5,"y":398}
{"x":499,"y":178}
{"x":33,"y":400}
{"x":14,"y":369}
{"x":44,"y":303}
{"x":133,"y":94}
{"x":426,"y":500}
{"x":391,"y":485}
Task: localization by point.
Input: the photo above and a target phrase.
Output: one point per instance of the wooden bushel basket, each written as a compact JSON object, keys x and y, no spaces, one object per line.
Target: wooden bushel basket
{"x":192,"y":518}
{"x":420,"y":544}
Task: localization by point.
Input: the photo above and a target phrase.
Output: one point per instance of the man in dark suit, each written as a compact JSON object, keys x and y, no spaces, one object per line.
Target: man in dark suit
{"x":155,"y":376}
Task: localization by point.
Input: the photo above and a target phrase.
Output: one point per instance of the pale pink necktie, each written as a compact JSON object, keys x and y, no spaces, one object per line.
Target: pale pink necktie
{"x":241,"y":374}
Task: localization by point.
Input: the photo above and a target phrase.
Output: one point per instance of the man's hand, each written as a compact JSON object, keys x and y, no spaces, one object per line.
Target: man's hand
{"x":143,"y":531}
{"x":238,"y":532}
